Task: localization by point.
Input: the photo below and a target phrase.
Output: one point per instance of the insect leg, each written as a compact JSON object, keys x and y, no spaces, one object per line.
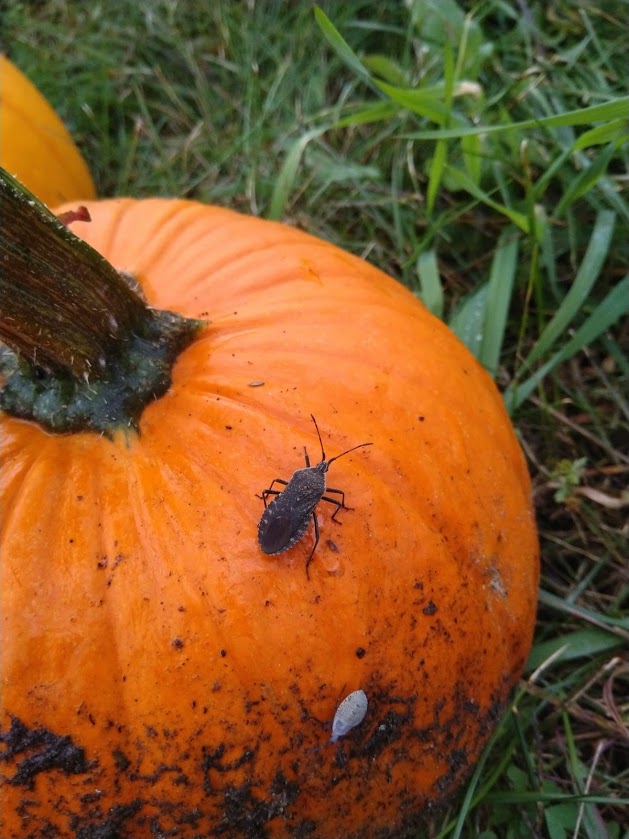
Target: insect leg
{"x":277,"y":481}
{"x":267,"y":492}
{"x":271,"y":491}
{"x":339,"y":504}
{"x":314,"y":547}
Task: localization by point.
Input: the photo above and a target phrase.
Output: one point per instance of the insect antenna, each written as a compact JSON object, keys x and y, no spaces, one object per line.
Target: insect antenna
{"x":319,"y":436}
{"x":342,"y":454}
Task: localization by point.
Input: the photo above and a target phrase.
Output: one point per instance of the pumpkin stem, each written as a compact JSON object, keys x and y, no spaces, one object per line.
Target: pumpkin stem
{"x":85,"y":353}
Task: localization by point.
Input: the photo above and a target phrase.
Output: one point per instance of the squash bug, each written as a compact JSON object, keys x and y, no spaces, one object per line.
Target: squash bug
{"x":286,"y":518}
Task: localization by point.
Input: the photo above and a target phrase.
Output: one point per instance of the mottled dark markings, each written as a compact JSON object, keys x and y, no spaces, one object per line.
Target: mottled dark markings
{"x":287,"y":516}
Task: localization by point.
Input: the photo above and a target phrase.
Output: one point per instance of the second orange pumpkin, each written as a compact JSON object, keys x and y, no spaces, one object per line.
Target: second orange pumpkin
{"x":35,"y":146}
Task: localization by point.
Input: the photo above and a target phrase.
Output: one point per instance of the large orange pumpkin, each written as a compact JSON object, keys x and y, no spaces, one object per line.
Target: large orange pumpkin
{"x":35,"y":145}
{"x":164,"y":677}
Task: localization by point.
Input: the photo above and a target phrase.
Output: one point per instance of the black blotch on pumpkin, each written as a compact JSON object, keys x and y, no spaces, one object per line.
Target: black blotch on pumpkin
{"x":39,"y":750}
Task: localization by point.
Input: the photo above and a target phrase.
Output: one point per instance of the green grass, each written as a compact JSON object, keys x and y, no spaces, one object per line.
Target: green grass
{"x":491,"y":178}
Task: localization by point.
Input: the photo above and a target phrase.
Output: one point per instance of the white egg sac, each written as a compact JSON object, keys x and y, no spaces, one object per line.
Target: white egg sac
{"x":349,"y":714}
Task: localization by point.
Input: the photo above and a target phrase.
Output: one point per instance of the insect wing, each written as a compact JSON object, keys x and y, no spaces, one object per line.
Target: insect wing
{"x":277,"y":531}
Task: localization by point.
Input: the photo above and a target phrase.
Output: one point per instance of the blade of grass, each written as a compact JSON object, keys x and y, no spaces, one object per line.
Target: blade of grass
{"x":423,"y":102}
{"x":471,"y":148}
{"x":614,"y":306}
{"x":285,"y":180}
{"x":380,"y":112}
{"x":468,"y":322}
{"x":615,"y":131}
{"x":440,"y":156}
{"x":464,"y":182}
{"x":619,"y":626}
{"x":582,"y":643}
{"x":586,"y":180}
{"x":608,"y":188}
{"x":593,"y":260}
{"x":384,"y":68}
{"x":614,"y":110}
{"x":536,"y":797}
{"x":430,"y":282}
{"x":339,"y":44}
{"x":549,"y":260}
{"x":501,"y":281}
{"x":435,"y":174}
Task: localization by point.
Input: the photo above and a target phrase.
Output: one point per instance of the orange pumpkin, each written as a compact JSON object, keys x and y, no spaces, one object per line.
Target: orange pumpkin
{"x":35,"y":145}
{"x":163,"y":676}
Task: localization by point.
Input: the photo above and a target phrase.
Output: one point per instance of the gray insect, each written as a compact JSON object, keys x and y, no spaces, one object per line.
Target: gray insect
{"x":286,"y":518}
{"x":350,"y":713}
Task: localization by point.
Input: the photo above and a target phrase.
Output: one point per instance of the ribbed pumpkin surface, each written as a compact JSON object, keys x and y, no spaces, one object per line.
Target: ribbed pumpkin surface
{"x":194,"y":678}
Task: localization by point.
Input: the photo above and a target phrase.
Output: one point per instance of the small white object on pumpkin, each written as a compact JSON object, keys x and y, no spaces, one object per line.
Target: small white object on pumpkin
{"x":350,"y":713}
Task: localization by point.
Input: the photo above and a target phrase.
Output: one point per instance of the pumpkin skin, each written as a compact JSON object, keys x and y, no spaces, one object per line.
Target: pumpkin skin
{"x":35,"y":146}
{"x":161,"y":675}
